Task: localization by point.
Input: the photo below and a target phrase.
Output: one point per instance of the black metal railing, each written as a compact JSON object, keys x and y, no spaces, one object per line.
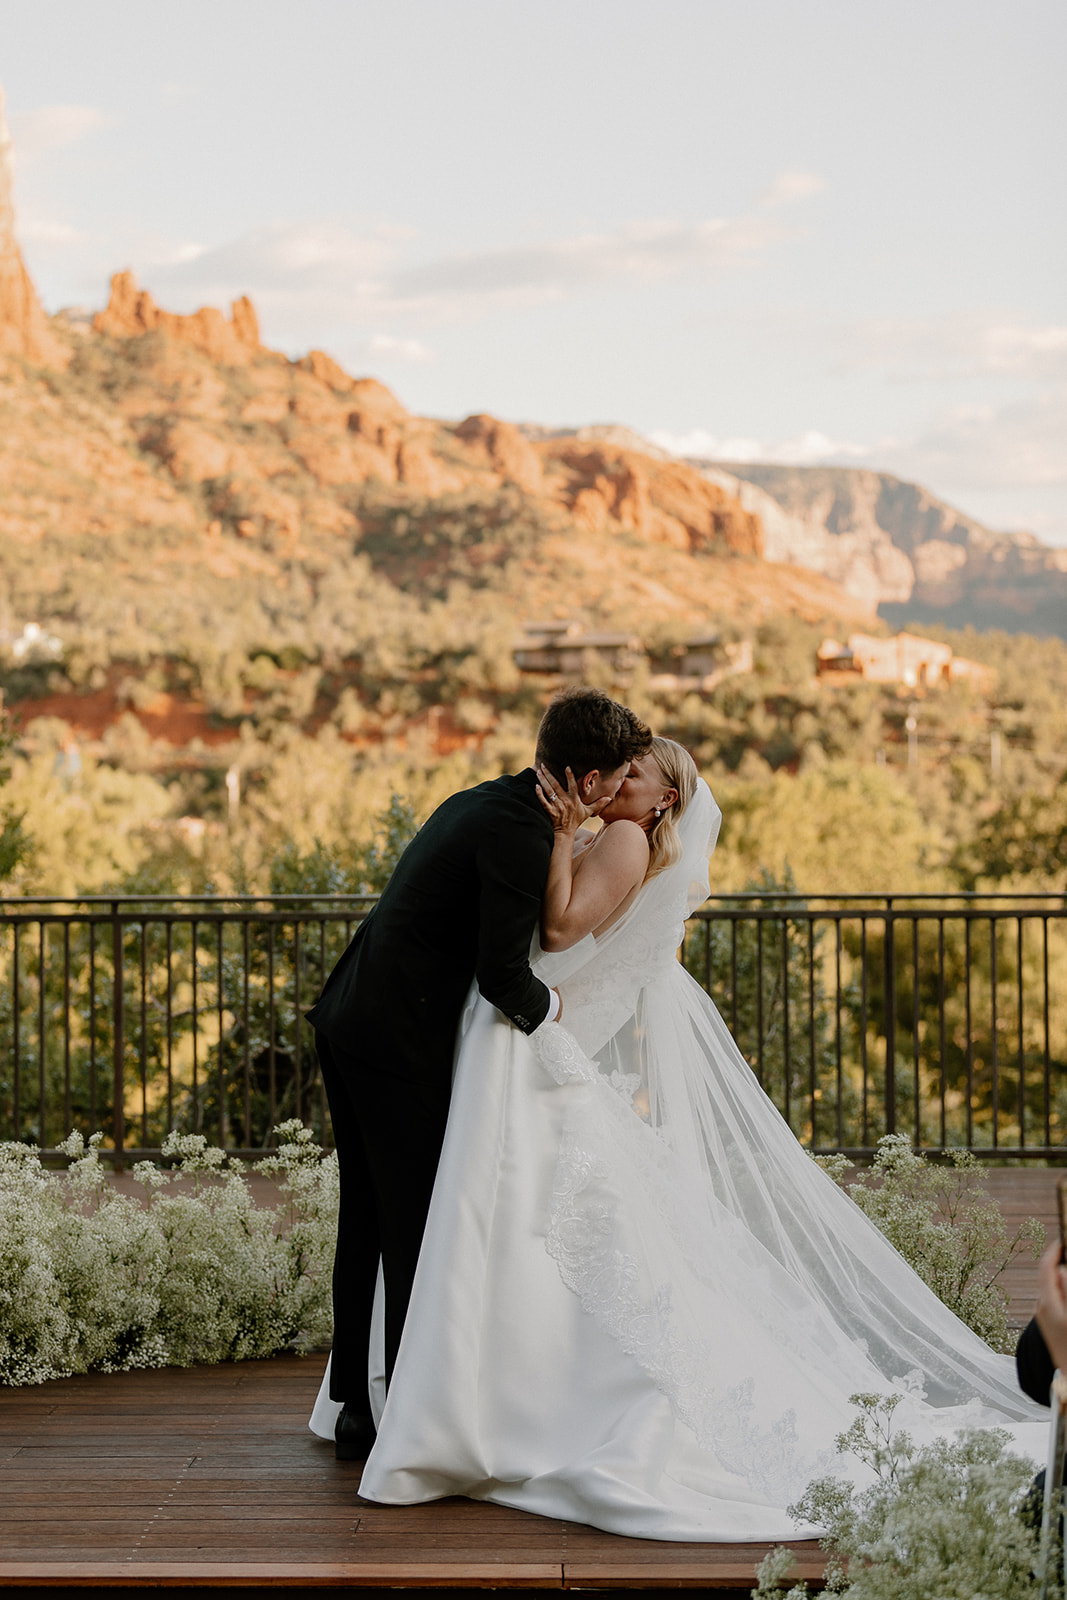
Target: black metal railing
{"x":941,"y":1017}
{"x":938,"y":1016}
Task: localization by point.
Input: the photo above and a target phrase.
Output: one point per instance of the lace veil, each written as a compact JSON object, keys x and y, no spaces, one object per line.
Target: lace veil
{"x":690,"y":1222}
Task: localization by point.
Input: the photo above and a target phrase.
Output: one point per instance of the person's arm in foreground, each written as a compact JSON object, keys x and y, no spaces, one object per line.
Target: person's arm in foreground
{"x":1051,"y":1313}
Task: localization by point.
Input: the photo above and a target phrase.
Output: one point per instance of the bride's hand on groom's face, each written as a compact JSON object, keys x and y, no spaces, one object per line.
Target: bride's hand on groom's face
{"x":565,"y":807}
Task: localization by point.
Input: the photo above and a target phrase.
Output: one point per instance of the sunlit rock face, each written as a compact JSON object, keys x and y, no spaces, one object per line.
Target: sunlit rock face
{"x":188,"y":436}
{"x":897,"y":548}
{"x":24,"y":329}
{"x":131,"y":311}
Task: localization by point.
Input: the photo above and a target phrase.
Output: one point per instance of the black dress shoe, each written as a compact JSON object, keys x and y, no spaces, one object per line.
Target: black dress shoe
{"x":354,"y":1435}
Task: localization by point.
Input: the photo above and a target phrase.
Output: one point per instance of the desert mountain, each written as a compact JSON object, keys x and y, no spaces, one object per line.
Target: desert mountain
{"x":896,"y":546}
{"x":185,"y":436}
{"x":186,"y":430}
{"x":202,"y":540}
{"x":24,"y":327}
{"x":892,"y":545}
{"x":189,"y":431}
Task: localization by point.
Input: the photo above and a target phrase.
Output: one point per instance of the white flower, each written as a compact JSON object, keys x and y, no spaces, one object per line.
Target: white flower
{"x":94,"y":1279}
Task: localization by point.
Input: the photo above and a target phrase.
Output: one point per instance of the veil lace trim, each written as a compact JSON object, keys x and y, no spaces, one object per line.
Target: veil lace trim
{"x":586,"y":1238}
{"x":681,"y":1200}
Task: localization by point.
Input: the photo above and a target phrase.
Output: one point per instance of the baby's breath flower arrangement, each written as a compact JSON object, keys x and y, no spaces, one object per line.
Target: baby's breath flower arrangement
{"x":92,"y":1279}
{"x":947,"y":1226}
{"x":938,"y":1523}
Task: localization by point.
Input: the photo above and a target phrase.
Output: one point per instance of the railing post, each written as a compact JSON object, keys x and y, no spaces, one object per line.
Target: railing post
{"x":957,"y":1014}
{"x":890,"y":1020}
{"x":118,"y":1063}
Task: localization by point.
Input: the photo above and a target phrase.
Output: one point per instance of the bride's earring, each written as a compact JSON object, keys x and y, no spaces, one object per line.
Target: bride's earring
{"x":658,"y":813}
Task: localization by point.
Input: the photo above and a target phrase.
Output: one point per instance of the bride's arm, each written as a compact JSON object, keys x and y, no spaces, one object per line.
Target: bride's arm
{"x":575,"y":902}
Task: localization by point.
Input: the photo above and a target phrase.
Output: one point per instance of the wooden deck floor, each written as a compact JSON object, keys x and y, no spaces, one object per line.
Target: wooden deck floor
{"x":208,"y":1478}
{"x":1025,"y":1192}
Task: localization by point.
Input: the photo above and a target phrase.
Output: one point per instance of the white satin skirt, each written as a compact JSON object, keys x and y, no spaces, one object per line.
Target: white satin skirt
{"x":509,"y":1388}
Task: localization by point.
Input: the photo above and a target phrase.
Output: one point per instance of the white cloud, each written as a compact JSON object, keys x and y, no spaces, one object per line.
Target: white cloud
{"x":1006,"y":464}
{"x":787,"y":188}
{"x":301,"y":272}
{"x":1017,"y":446}
{"x":47,"y":231}
{"x":190,"y":251}
{"x":52,"y":127}
{"x":383,"y":344}
{"x":808,"y":449}
{"x":1022,"y":446}
{"x":972,"y":344}
{"x":330,"y":271}
{"x":640,"y":251}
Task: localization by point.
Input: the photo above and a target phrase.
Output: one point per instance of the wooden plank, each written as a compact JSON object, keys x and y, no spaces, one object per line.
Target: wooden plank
{"x":206,"y":1511}
{"x":250,"y":1496}
{"x":172,"y":1574}
{"x":78,"y":1474}
{"x":54,"y":1536}
{"x":85,"y":1503}
{"x":101,"y":1450}
{"x":727,"y":1569}
{"x":151,"y":1415}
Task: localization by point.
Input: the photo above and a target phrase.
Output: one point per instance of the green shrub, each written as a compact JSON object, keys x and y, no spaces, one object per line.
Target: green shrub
{"x":939,"y":1523}
{"x":947,"y":1226}
{"x":92,"y":1279}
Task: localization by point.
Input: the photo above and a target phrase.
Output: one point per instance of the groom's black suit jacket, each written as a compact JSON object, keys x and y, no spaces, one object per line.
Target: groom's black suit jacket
{"x":462,"y":903}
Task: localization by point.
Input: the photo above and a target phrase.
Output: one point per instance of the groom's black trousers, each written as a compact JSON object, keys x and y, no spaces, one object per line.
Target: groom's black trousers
{"x":388,"y":1134}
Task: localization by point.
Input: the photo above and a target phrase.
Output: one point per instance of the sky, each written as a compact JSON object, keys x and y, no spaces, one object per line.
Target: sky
{"x":830,"y":231}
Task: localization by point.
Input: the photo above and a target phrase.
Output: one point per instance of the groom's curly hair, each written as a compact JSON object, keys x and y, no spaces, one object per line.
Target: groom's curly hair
{"x":586,"y":730}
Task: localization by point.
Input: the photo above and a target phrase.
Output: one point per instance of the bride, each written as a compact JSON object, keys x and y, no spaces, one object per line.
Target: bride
{"x":639,"y":1304}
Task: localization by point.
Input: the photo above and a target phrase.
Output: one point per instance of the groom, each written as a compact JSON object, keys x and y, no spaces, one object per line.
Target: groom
{"x":462,"y":904}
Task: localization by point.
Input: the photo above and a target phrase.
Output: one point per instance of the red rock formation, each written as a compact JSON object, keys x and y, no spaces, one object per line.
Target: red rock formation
{"x":193,"y":454}
{"x":502,"y":448}
{"x":377,"y":402}
{"x":24,"y":329}
{"x":132,"y":311}
{"x":603,"y":484}
{"x":327,"y":370}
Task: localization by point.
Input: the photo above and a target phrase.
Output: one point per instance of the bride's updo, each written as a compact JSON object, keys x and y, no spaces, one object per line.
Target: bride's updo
{"x":679,"y":772}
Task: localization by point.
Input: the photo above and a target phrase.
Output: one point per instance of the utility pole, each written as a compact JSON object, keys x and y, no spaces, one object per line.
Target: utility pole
{"x":912,"y":725}
{"x":233,"y":790}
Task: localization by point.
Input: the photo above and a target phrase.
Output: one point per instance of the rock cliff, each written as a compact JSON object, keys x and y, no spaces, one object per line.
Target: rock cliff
{"x":131,"y":311}
{"x":895,"y":546}
{"x":24,"y":329}
{"x":173,"y":450}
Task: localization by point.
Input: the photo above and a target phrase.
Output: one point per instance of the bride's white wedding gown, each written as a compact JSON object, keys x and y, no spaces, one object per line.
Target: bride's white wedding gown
{"x":639,"y":1304}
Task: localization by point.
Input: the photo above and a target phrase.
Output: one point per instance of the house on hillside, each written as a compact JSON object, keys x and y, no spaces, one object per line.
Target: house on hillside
{"x":33,"y":645}
{"x":701,"y":662}
{"x":906,"y":659}
{"x":561,"y":649}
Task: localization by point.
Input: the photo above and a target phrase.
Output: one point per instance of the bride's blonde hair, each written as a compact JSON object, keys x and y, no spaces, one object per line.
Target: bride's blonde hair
{"x":679,"y":772}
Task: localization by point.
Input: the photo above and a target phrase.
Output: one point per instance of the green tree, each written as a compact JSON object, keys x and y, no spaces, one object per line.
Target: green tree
{"x":14,"y":842}
{"x":1024,"y":839}
{"x":839,"y":827}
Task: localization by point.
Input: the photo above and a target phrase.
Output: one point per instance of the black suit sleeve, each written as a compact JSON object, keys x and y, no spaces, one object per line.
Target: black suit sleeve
{"x":512,"y":872}
{"x":1033,"y":1364}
